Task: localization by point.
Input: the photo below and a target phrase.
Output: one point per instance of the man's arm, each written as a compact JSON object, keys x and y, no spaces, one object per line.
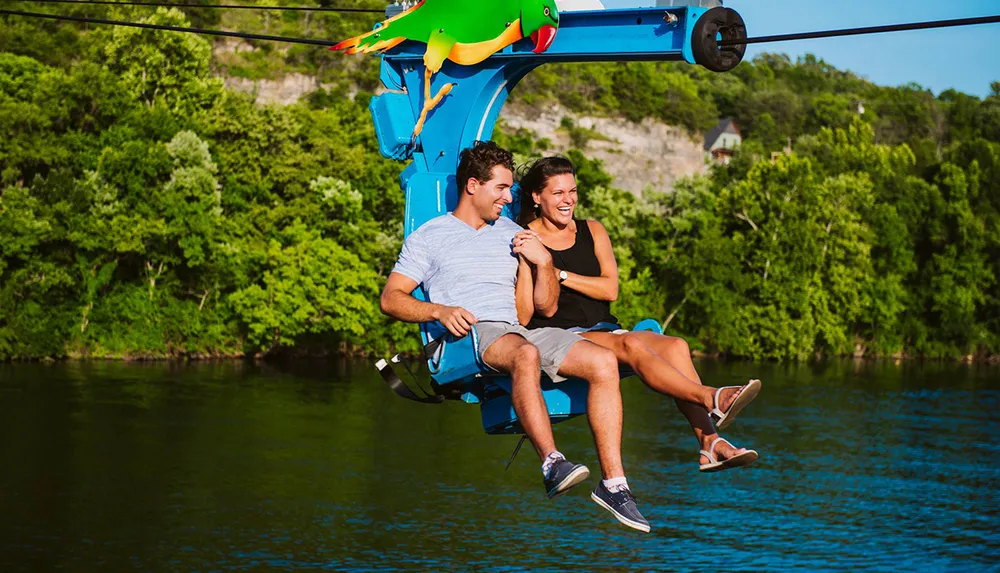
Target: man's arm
{"x":398,"y":302}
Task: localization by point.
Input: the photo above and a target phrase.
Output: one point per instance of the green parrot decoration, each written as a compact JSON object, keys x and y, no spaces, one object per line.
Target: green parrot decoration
{"x":463,"y":31}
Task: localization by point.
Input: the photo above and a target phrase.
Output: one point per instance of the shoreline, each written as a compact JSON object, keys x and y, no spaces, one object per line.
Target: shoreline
{"x":991,"y":360}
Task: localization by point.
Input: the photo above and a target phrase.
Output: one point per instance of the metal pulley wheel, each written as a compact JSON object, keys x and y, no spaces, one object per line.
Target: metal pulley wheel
{"x":718,"y":23}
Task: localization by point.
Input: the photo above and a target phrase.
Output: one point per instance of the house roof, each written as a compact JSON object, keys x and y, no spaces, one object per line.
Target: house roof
{"x":725,"y":125}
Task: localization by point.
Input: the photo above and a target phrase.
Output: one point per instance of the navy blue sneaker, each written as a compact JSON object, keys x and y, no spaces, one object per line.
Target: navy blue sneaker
{"x":621,"y":504}
{"x":563,"y":475}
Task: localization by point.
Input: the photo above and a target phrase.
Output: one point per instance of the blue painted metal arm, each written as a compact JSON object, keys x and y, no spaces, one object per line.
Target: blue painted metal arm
{"x":480,"y":91}
{"x":630,"y":34}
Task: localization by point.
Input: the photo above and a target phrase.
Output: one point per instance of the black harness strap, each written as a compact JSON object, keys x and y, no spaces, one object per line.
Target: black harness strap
{"x":416,"y":379}
{"x":431,"y":347}
{"x":399,"y":387}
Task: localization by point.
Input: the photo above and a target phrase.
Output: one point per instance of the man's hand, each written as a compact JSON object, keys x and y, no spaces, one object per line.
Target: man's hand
{"x":456,"y":319}
{"x":528,"y":245}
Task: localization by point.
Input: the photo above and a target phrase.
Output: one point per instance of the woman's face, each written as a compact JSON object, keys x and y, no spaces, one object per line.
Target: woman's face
{"x":557,"y":200}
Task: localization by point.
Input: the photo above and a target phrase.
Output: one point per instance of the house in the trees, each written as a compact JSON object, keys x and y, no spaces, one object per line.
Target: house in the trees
{"x":722,"y":140}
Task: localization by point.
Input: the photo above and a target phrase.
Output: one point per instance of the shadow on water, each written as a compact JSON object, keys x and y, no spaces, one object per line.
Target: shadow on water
{"x":220,"y":466}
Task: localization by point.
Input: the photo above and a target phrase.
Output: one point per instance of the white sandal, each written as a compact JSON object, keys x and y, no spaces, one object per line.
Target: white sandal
{"x":739,"y":460}
{"x":723,"y":419}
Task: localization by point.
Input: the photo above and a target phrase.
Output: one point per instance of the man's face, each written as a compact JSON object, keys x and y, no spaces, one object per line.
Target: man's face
{"x":489,"y":197}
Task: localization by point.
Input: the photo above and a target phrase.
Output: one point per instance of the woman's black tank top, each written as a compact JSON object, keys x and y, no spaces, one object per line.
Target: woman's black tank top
{"x":575,"y":308}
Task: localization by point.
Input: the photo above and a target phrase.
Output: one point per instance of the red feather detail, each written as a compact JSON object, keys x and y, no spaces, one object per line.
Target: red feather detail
{"x":348,"y":43}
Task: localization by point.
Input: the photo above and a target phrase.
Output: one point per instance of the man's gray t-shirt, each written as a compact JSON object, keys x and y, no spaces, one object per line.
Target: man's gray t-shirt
{"x":462,"y":266}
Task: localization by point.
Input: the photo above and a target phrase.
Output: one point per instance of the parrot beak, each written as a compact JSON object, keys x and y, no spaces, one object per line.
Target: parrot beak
{"x":543,"y":38}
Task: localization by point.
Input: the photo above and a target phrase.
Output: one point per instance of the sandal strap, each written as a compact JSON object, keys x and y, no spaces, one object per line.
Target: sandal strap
{"x":711,"y":458}
{"x":710,"y":454}
{"x":711,"y":446}
{"x":716,"y":411}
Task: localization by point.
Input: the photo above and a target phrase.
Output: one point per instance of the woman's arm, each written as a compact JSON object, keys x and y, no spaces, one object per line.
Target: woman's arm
{"x":524,"y":292}
{"x":604,"y":287}
{"x":544,"y":282}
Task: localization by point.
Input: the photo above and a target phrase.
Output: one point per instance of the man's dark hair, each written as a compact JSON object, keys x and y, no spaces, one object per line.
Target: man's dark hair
{"x":477,"y":162}
{"x":534,"y":181}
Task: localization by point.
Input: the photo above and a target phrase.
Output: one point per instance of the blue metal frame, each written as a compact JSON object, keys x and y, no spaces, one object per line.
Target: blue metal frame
{"x":468,"y":114}
{"x":472,"y":107}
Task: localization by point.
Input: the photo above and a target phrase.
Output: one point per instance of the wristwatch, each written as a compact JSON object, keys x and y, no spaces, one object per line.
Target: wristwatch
{"x":563,"y":275}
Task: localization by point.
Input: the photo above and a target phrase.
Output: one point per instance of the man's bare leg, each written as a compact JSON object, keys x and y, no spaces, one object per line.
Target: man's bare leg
{"x":599,"y":367}
{"x":513,"y":354}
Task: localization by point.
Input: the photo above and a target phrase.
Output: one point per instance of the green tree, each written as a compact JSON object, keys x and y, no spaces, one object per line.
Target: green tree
{"x":310,"y":285}
{"x":161,"y":66}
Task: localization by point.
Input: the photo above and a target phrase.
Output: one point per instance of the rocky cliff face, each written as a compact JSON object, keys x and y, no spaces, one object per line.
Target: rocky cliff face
{"x":637,"y":155}
{"x":285,"y":91}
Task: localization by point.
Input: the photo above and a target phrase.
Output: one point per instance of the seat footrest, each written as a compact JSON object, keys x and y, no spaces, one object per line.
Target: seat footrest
{"x":565,"y":400}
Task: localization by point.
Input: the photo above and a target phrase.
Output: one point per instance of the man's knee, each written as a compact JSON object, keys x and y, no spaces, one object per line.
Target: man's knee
{"x":527,"y":357}
{"x":527,"y":368}
{"x":603,"y":366}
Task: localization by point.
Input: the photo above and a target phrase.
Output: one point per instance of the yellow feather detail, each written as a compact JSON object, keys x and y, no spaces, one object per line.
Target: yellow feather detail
{"x":471,"y":54}
{"x":383,"y":45}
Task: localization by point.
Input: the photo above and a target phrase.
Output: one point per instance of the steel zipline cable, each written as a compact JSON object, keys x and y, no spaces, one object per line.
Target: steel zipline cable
{"x":862,"y":31}
{"x":172,"y":28}
{"x":734,"y":42}
{"x":206,"y":6}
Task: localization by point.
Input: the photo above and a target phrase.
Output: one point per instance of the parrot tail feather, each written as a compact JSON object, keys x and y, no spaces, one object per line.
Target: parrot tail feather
{"x":369,"y":47}
{"x":350,"y":45}
{"x":366,"y":44}
{"x":383,"y":45}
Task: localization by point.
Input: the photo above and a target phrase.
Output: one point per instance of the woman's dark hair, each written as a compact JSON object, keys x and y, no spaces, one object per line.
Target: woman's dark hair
{"x":477,"y":162}
{"x":534,"y":181}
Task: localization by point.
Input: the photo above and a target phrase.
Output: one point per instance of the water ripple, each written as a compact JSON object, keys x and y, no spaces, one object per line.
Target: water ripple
{"x":221,"y":468}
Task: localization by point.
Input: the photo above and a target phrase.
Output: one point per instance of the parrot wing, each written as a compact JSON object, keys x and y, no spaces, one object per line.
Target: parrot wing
{"x":439,"y":46}
{"x":467,"y":54}
{"x":476,"y":30}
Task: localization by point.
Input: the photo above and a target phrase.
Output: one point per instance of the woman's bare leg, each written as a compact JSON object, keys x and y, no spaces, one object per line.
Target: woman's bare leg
{"x":655,"y":372}
{"x":664,"y":364}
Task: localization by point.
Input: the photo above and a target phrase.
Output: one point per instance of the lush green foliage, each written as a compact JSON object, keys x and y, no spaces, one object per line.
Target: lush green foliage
{"x":145,"y":210}
{"x":771,"y":99}
{"x":838,"y":249}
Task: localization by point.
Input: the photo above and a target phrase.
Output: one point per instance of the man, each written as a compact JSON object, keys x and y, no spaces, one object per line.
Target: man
{"x":468,"y":262}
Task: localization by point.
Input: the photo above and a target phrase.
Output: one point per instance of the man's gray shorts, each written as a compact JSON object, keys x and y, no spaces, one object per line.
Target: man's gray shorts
{"x":553,"y":343}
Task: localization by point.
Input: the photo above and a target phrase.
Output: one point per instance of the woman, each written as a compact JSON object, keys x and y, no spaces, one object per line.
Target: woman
{"x":588,"y":276}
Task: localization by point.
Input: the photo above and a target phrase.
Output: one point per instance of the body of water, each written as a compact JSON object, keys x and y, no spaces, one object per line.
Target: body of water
{"x":235,"y":466}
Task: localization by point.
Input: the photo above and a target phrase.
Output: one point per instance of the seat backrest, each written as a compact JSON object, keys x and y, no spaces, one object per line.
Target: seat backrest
{"x":428,"y":195}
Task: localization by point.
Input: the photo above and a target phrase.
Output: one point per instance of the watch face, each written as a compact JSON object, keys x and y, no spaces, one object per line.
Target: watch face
{"x":563,"y":275}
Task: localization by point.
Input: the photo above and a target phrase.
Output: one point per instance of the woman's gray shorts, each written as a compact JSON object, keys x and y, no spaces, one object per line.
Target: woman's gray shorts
{"x":553,"y":343}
